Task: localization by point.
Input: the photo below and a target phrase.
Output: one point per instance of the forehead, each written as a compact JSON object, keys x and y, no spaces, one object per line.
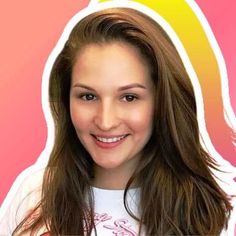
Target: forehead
{"x":112,"y":62}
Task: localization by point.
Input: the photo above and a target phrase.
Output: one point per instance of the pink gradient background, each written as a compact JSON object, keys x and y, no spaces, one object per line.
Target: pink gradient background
{"x":221,"y":17}
{"x":29,"y":31}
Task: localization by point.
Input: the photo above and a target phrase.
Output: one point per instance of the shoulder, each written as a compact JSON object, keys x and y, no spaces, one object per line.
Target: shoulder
{"x":31,"y":179}
{"x":23,"y":196}
{"x":27,"y":184}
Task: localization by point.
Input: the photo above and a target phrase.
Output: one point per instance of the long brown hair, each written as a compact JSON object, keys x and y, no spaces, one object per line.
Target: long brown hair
{"x":179,"y":194}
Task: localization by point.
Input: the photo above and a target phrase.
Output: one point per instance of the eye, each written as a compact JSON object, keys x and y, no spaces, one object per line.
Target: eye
{"x":87,"y":97}
{"x":129,"y":98}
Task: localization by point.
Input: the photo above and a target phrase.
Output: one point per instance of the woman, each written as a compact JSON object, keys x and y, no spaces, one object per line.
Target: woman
{"x":127,"y":138}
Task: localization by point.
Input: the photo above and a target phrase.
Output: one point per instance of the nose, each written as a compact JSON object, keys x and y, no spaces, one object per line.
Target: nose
{"x":107,"y":117}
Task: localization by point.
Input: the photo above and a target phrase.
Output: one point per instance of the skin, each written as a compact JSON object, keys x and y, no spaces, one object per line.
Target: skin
{"x":111,"y":96}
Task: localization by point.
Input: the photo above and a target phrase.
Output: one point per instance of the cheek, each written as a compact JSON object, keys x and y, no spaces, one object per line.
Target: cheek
{"x":141,"y":120}
{"x":80,"y":117}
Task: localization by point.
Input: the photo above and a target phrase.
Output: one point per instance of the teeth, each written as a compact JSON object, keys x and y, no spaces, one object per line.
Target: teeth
{"x":110,"y":140}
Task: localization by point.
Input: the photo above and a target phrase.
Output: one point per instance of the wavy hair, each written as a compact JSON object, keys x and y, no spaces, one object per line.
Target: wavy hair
{"x":179,"y":194}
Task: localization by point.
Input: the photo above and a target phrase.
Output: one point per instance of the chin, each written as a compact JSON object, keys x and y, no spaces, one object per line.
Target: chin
{"x":108,"y":165}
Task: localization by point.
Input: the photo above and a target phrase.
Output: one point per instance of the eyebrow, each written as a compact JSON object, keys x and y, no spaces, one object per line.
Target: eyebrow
{"x":126,"y":87}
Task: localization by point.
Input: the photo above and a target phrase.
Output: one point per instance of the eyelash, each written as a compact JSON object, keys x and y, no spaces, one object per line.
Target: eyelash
{"x":85,"y":97}
{"x":135,"y":97}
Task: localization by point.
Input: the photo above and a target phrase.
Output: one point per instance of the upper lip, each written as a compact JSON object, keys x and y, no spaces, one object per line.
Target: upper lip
{"x":109,"y":136}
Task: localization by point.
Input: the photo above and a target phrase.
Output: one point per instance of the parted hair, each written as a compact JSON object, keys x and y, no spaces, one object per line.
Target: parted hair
{"x":178,"y":192}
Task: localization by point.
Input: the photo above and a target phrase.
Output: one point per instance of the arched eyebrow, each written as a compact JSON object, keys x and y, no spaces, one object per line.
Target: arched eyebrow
{"x":122,"y":88}
{"x":79,"y":85}
{"x":130,"y":86}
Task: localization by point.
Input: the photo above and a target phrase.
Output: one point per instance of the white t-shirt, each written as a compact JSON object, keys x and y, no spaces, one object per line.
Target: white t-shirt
{"x":111,"y":217}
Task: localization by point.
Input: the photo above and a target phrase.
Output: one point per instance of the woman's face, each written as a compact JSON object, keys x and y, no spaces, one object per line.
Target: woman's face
{"x":111,"y":104}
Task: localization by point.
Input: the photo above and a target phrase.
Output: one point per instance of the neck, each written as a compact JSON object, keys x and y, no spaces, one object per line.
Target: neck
{"x":111,"y":178}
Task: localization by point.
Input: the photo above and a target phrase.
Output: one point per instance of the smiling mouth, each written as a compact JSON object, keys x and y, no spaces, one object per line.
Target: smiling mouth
{"x":111,"y":139}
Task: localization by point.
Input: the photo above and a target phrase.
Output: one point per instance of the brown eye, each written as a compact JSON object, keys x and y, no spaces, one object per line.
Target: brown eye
{"x":88,"y":97}
{"x":129,"y":98}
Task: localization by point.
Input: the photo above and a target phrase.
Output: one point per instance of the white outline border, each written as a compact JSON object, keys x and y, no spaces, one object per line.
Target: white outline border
{"x":229,"y":115}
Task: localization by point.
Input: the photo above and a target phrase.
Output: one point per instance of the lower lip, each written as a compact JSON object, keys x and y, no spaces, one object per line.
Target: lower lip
{"x":108,"y":145}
